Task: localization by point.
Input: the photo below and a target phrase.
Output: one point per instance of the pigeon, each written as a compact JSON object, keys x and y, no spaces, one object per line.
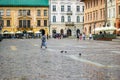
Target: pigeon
{"x":65,"y":51}
{"x":79,"y":54}
{"x":62,"y":51}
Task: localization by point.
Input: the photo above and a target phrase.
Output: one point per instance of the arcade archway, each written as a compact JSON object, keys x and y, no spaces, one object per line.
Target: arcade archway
{"x":42,"y":31}
{"x":69,"y":32}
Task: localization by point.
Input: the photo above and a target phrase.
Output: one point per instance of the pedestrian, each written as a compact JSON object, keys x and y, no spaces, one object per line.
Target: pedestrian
{"x":80,"y":36}
{"x":43,"y":43}
{"x":83,"y":36}
{"x":90,"y":36}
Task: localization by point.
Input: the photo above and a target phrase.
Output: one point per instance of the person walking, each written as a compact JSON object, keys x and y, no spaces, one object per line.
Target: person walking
{"x":83,"y":36}
{"x":90,"y":36}
{"x":80,"y":36}
{"x":43,"y":43}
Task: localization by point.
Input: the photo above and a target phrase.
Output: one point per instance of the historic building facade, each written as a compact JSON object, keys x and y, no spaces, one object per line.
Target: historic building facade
{"x":66,"y":17}
{"x":24,"y":15}
{"x":118,"y":16}
{"x":111,"y":12}
{"x":94,"y":15}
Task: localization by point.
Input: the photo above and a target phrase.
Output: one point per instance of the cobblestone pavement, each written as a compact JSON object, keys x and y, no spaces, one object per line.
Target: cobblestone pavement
{"x":23,"y":59}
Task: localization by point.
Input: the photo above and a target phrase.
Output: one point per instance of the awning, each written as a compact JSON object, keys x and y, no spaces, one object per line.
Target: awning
{"x":19,"y":32}
{"x":11,"y":32}
{"x":37,"y":32}
{"x":29,"y":31}
{"x":6,"y":32}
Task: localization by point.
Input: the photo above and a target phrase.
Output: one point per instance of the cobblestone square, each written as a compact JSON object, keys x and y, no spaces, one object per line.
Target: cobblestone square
{"x":23,"y":59}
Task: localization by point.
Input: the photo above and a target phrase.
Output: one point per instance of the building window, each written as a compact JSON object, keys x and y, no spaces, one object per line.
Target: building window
{"x":54,"y":7}
{"x":78,"y":19}
{"x":109,"y":13}
{"x":62,"y":8}
{"x":28,"y":12}
{"x":119,"y":10}
{"x":8,"y":23}
{"x":24,"y":23}
{"x":69,"y":18}
{"x":38,"y":12}
{"x":101,"y":1}
{"x":62,"y":19}
{"x":88,"y":16}
{"x":96,"y":2}
{"x":45,"y":22}
{"x":96,"y":15}
{"x":91,"y":4}
{"x":93,"y":15}
{"x":54,"y":18}
{"x":83,"y":19}
{"x":24,"y":12}
{"x":38,"y":23}
{"x":8,"y":12}
{"x":113,"y":12}
{"x":20,"y":12}
{"x":20,"y":23}
{"x":101,"y":13}
{"x":82,"y":8}
{"x":1,"y":12}
{"x":68,"y":8}
{"x":45,"y":12}
{"x":78,"y":8}
{"x":2,"y":23}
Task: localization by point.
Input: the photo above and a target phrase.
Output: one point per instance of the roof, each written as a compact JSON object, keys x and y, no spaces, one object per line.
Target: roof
{"x":17,"y":3}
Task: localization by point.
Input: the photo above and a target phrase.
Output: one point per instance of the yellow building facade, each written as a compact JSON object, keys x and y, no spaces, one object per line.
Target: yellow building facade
{"x":28,"y":19}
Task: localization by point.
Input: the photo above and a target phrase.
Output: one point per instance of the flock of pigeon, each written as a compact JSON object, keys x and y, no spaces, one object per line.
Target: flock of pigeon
{"x":66,"y":52}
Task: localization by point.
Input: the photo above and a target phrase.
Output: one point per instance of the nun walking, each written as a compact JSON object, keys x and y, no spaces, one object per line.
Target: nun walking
{"x":43,"y":43}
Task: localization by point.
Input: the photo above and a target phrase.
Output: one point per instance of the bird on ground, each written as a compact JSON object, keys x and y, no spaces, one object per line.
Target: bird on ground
{"x":62,"y":51}
{"x":79,"y":54}
{"x":65,"y":51}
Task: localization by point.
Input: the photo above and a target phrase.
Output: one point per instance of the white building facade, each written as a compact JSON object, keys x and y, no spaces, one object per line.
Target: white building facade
{"x":66,"y":17}
{"x":111,"y":12}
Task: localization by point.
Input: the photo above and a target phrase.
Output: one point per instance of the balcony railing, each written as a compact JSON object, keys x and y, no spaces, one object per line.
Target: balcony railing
{"x":69,"y":12}
{"x":69,"y":23}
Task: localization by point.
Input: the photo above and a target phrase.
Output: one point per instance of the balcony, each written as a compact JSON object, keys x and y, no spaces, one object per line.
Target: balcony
{"x":69,"y":23}
{"x":69,"y":12}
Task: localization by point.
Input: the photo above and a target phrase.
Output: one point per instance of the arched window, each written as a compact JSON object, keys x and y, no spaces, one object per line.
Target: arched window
{"x":78,"y":19}
{"x":54,"y":18}
{"x":62,"y":19}
{"x":69,"y":19}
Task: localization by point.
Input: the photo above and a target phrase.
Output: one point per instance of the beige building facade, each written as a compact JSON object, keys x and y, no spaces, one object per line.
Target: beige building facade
{"x":118,"y":16}
{"x":94,"y":15}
